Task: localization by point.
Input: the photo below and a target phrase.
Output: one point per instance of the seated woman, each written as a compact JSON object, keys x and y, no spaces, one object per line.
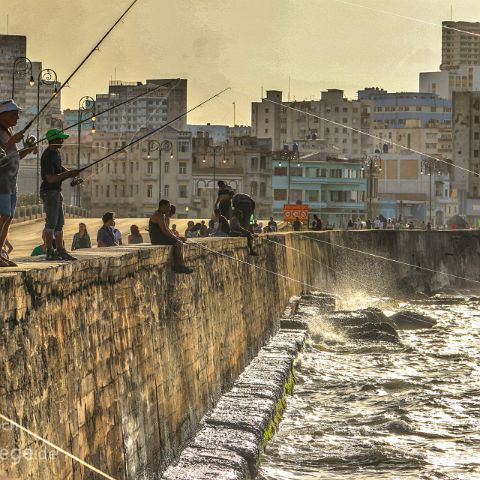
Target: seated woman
{"x":135,"y":236}
{"x":160,"y":234}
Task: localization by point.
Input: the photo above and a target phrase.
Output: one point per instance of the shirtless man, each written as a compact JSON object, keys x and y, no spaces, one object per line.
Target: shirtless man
{"x":160,"y":234}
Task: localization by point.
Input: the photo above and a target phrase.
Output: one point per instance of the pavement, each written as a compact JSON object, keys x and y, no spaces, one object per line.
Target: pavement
{"x":26,"y":236}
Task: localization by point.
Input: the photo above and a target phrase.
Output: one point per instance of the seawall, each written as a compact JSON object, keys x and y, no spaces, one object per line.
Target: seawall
{"x":116,"y":359}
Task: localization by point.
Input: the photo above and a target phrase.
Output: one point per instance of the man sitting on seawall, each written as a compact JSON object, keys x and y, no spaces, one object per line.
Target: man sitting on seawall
{"x":160,"y":234}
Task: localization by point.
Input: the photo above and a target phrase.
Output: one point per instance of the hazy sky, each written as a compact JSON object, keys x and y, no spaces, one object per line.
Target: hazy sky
{"x":245,"y":44}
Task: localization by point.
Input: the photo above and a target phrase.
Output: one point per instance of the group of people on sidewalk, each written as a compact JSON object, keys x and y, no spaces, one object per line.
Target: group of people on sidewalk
{"x":233,"y":215}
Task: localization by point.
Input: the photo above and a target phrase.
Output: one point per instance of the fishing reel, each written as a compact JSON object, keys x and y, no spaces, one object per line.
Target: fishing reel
{"x":29,"y":141}
{"x":76,"y":181}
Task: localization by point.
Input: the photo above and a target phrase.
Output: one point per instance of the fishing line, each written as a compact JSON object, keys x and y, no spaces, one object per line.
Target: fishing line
{"x":55,"y":447}
{"x":62,"y":86}
{"x":124,"y":133}
{"x":154,"y":130}
{"x":286,"y":277}
{"x":406,"y":17}
{"x":426,"y":155}
{"x":326,"y":265}
{"x":390,"y":259}
{"x":128,"y":100}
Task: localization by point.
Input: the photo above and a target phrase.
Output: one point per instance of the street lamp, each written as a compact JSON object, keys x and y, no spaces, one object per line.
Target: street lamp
{"x":85,"y":105}
{"x":373,"y":164}
{"x":289,"y":155}
{"x":216,"y":149}
{"x":21,"y":66}
{"x":164,"y":146}
{"x":429,"y":166}
{"x":47,"y":76}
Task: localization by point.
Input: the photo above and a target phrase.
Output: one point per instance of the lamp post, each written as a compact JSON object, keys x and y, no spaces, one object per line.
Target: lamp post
{"x":164,"y":146}
{"x":289,"y":155}
{"x":85,"y":105}
{"x":429,"y":167}
{"x":373,"y":164}
{"x":216,"y":149}
{"x":47,"y":76}
{"x":21,"y":66}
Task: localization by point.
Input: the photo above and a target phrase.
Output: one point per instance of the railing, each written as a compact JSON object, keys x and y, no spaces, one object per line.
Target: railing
{"x":33,"y":212}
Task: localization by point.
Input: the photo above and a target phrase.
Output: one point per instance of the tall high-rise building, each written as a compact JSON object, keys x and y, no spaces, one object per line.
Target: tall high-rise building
{"x":149,"y":111}
{"x":466,"y":153}
{"x":11,"y":48}
{"x":458,"y":47}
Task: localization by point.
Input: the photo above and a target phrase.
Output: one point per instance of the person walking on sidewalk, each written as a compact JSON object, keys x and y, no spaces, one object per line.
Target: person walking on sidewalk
{"x":53,"y":174}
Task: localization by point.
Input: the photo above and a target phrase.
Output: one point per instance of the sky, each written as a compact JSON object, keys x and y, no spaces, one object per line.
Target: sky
{"x":242,"y":44}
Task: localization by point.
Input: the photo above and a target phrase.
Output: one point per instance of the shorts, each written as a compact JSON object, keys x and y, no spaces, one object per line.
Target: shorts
{"x":53,"y":206}
{"x":8,"y":202}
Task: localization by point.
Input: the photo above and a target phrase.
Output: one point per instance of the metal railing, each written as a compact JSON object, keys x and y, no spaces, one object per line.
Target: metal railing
{"x":33,"y":212}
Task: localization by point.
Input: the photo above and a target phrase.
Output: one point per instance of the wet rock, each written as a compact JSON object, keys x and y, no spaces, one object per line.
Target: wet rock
{"x":208,"y":464}
{"x":241,"y":442}
{"x":377,"y":332}
{"x":409,"y":320}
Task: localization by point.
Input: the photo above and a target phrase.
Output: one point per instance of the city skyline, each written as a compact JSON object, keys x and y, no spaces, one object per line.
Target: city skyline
{"x":226,"y":45}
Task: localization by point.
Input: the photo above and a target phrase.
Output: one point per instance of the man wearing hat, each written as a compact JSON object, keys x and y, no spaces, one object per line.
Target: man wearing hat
{"x":53,"y":174}
{"x":9,"y":165}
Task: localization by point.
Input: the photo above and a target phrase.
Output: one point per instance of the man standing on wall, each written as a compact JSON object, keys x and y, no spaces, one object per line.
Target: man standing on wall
{"x":9,"y":165}
{"x":53,"y":174}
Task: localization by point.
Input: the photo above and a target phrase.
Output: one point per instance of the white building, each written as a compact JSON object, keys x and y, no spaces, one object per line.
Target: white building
{"x":463,"y":78}
{"x":406,"y":189}
{"x":149,"y":111}
{"x":271,"y":118}
{"x":131,"y":182}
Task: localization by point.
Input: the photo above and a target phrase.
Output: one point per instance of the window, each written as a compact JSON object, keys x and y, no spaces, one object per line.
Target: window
{"x":254,"y":189}
{"x":131,"y":167}
{"x":266,"y":130}
{"x":108,"y":191}
{"x":115,"y":191}
{"x":131,"y":190}
{"x":280,"y":171}
{"x":149,"y":191}
{"x":280,"y":194}
{"x":166,"y":167}
{"x":266,"y":110}
{"x":263,"y":163}
{"x":182,"y":191}
{"x":263,"y":189}
{"x":296,"y":171}
{"x":253,"y":163}
{"x":150,"y":167}
{"x":311,"y":195}
{"x":477,"y":119}
{"x":336,"y":173}
{"x":266,"y":120}
{"x":96,"y":190}
{"x":166,"y":191}
{"x":183,"y":145}
{"x":182,"y":168}
{"x":475,"y":153}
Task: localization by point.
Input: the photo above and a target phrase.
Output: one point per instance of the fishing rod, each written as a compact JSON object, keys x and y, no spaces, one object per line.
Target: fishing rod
{"x":62,"y":86}
{"x":30,"y":144}
{"x":97,"y":114}
{"x":77,"y":180}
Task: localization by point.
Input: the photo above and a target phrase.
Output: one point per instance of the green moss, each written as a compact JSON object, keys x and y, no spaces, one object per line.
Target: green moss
{"x":279,"y":409}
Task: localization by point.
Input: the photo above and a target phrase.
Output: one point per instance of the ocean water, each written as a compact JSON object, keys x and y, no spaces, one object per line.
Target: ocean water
{"x":368,"y":410}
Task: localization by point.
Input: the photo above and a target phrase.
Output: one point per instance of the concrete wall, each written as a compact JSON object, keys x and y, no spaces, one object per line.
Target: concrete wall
{"x":116,"y":359}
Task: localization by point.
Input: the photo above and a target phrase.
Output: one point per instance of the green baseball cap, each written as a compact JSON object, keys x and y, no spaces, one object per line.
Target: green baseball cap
{"x":55,"y":133}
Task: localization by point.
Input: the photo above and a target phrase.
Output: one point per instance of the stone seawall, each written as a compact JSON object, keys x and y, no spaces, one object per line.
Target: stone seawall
{"x":116,"y":359}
